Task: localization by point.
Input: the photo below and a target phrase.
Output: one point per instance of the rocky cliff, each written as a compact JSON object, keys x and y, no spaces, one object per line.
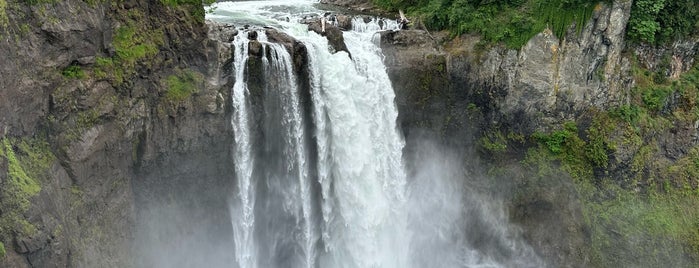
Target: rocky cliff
{"x":105,"y":105}
{"x":114,"y":128}
{"x":555,"y":123}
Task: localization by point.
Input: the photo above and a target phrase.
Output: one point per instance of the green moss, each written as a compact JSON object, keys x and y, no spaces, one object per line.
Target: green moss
{"x":73,"y":72}
{"x":3,"y":14}
{"x":183,"y":85}
{"x":18,"y":177}
{"x":193,"y":6}
{"x":631,"y":229}
{"x":494,"y":142}
{"x":28,"y":162}
{"x":135,"y":43}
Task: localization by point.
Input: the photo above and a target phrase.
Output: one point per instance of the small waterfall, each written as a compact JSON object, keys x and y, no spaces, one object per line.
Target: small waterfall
{"x":242,"y":210}
{"x":372,"y":25}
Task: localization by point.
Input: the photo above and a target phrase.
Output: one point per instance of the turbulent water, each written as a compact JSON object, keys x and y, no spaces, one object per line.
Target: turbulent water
{"x":320,"y":174}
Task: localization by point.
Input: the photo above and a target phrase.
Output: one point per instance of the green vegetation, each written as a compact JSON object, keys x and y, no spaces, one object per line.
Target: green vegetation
{"x":3,"y":14}
{"x":661,"y":21}
{"x":647,"y":215}
{"x":195,"y":6}
{"x":28,"y":161}
{"x":183,"y":85}
{"x":73,"y":72}
{"x":134,"y":44}
{"x":512,"y":22}
{"x":494,"y":142}
{"x":2,"y":251}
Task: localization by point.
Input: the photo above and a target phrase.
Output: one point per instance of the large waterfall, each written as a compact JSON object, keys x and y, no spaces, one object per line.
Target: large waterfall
{"x":320,"y":177}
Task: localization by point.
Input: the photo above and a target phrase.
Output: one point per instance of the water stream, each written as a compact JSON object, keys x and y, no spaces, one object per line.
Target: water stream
{"x":321,"y":180}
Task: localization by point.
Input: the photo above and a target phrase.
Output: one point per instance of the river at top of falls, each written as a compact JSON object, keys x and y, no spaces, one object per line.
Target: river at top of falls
{"x":320,"y":177}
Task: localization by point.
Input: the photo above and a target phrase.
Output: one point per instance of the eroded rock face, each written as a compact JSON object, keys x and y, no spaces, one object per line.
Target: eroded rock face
{"x":122,"y":146}
{"x":455,"y":89}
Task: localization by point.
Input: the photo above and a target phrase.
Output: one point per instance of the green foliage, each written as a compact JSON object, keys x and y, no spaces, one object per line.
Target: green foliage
{"x":648,"y":216}
{"x":28,"y":161}
{"x":566,"y":146}
{"x":661,"y":21}
{"x":494,"y":142}
{"x":559,"y":140}
{"x":2,"y":250}
{"x":134,"y":44}
{"x":73,"y":72}
{"x":598,"y":146}
{"x":629,"y":229}
{"x":183,"y":85}
{"x":627,"y":113}
{"x":195,"y":6}
{"x":3,"y":14}
{"x":131,"y":47}
{"x":512,"y":22}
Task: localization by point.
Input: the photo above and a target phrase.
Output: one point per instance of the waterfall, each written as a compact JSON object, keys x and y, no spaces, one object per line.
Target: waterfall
{"x":319,"y":166}
{"x":243,"y":218}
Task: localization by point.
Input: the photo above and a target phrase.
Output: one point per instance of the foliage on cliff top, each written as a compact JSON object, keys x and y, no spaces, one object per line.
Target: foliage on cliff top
{"x":662,"y":21}
{"x":512,"y":22}
{"x":195,"y":6}
{"x":28,"y":161}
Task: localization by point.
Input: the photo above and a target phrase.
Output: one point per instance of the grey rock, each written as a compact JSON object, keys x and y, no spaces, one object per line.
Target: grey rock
{"x":335,"y":37}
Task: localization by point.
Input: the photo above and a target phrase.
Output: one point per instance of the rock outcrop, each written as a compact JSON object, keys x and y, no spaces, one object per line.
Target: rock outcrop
{"x":117,"y":93}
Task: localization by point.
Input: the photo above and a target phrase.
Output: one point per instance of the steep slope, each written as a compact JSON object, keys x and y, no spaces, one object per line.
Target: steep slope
{"x":104,"y":106}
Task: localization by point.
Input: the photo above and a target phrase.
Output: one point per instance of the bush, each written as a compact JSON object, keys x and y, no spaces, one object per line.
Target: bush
{"x":512,"y":22}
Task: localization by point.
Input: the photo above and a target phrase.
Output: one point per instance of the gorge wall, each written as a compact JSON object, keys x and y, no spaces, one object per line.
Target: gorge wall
{"x":105,"y":105}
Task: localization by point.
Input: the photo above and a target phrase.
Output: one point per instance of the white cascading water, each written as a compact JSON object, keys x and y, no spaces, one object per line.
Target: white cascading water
{"x":347,"y":202}
{"x":243,"y":218}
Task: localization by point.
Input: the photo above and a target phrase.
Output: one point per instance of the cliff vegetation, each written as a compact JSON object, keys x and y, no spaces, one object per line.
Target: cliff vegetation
{"x":514,"y":22}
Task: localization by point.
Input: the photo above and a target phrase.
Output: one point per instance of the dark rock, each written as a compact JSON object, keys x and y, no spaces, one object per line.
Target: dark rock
{"x":296,"y":49}
{"x":336,"y":40}
{"x":255,"y":49}
{"x":252,"y":35}
{"x":122,"y":148}
{"x":344,"y":22}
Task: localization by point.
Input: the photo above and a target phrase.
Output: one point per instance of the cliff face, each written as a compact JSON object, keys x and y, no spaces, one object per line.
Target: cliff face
{"x":105,"y":105}
{"x":491,"y":102}
{"x":488,"y":100}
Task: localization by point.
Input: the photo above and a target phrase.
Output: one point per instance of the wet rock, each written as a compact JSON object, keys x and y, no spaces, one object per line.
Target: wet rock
{"x":252,"y":35}
{"x":296,"y":49}
{"x":221,"y":31}
{"x":255,"y":49}
{"x":344,"y":22}
{"x":333,"y":33}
